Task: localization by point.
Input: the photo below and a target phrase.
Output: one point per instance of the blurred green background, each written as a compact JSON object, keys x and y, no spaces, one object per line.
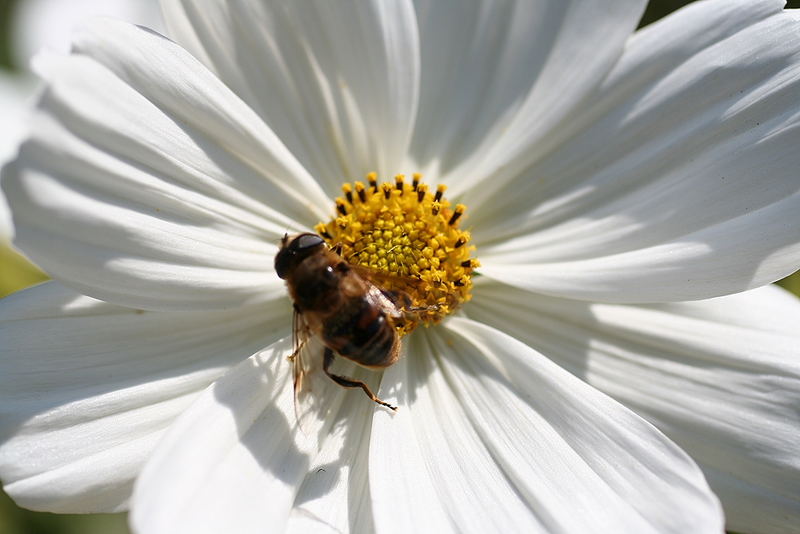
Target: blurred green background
{"x":17,"y":273}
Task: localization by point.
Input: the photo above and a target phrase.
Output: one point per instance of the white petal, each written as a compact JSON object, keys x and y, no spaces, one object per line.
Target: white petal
{"x":499,"y":77}
{"x":334,"y":496}
{"x":491,"y":436}
{"x":15,"y":91}
{"x":87,"y":388}
{"x":237,"y":459}
{"x":720,"y":377}
{"x":148,"y":183}
{"x":6,"y":228}
{"x":679,"y":182}
{"x":50,"y":24}
{"x":338,"y":82}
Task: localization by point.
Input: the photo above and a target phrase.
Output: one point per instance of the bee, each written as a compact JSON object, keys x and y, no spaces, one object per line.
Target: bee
{"x":339,"y":304}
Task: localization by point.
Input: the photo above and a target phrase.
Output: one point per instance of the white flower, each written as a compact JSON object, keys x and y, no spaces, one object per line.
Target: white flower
{"x":607,"y":177}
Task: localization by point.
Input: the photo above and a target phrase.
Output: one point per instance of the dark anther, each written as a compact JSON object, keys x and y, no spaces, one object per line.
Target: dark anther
{"x":341,"y":208}
{"x":454,"y":218}
{"x":459,"y":242}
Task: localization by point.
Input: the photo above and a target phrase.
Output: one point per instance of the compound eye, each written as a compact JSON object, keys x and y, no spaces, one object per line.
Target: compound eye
{"x":283,"y":262}
{"x":306,"y":241}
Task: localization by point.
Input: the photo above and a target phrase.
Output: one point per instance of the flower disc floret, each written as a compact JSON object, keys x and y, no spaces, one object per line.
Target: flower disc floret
{"x":409,"y":242}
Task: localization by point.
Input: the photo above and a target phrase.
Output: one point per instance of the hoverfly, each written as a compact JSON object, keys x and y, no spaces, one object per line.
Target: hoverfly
{"x":342,"y":306}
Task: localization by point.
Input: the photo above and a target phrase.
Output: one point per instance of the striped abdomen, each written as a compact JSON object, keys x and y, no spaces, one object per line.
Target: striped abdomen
{"x":360,"y":331}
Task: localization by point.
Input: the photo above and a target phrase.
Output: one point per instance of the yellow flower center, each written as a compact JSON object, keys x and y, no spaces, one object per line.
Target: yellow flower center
{"x":409,"y":241}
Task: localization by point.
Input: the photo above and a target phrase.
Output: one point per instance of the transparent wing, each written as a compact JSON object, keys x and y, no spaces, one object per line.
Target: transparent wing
{"x":315,"y":395}
{"x":396,"y":288}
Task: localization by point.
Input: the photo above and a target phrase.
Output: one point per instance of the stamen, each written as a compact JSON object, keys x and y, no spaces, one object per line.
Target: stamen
{"x":458,"y":213}
{"x":362,"y":196}
{"x":439,"y":192}
{"x":421,"y":191}
{"x":348,"y":192}
{"x":321,"y":230}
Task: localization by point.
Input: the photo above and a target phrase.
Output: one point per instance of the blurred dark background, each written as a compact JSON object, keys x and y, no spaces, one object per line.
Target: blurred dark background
{"x":17,"y":273}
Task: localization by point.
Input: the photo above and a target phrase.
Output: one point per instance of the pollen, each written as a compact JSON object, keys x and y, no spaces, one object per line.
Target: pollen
{"x":409,"y":243}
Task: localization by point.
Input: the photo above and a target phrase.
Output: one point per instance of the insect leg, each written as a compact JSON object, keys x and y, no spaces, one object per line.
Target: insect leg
{"x":415,"y":309}
{"x":403,"y":301}
{"x":349,"y":382}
